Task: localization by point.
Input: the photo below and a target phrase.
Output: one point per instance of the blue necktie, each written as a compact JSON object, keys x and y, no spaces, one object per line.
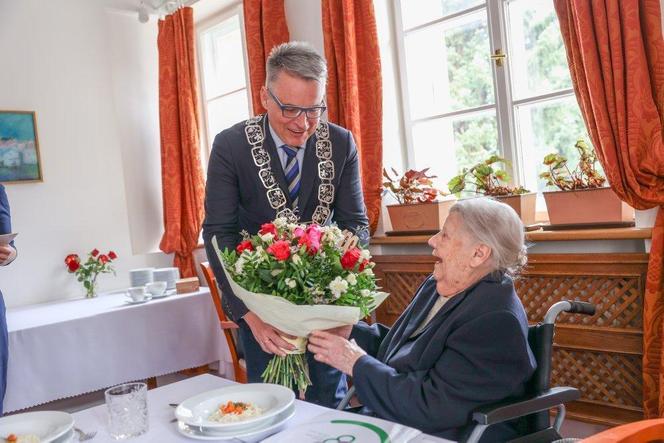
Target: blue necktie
{"x":292,"y":172}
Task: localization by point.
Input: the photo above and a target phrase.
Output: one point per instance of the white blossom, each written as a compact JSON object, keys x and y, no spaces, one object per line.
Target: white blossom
{"x":290,"y":283}
{"x":239,"y":265}
{"x":338,"y":286}
{"x":267,"y":237}
{"x":280,"y":222}
{"x":296,"y":259}
{"x":368,"y":271}
{"x":352,"y":279}
{"x":365,"y":292}
{"x":276,"y":272}
{"x":365,"y":254}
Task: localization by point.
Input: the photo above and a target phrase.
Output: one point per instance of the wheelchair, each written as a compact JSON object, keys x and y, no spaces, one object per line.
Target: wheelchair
{"x":531,"y":409}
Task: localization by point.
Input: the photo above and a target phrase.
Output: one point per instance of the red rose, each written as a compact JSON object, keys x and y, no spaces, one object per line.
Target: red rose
{"x":73,"y":266}
{"x":72,"y":258}
{"x":280,"y":249}
{"x":268,"y":227}
{"x":363,"y":265}
{"x":103,"y":258}
{"x":244,"y":245}
{"x":95,"y":252}
{"x":112,"y":255}
{"x":350,"y":258}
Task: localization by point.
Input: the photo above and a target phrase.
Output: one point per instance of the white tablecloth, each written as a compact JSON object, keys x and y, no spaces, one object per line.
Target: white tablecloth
{"x":160,"y":413}
{"x":63,"y":349}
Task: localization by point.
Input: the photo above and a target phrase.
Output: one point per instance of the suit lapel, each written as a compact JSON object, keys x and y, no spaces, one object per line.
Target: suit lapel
{"x":308,"y":173}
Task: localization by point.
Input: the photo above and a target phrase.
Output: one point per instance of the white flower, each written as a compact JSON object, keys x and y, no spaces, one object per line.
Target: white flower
{"x":267,"y":237}
{"x":259,"y":254}
{"x":280,"y":222}
{"x":338,"y":286}
{"x":365,"y":292}
{"x":296,"y":259}
{"x":365,"y":254}
{"x":352,"y":279}
{"x":290,"y":283}
{"x":368,"y":271}
{"x":239,"y":265}
{"x":276,"y":272}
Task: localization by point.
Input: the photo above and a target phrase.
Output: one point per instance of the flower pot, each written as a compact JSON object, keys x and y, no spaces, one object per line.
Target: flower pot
{"x":419,"y":216}
{"x":523,"y":204}
{"x":587,"y":206}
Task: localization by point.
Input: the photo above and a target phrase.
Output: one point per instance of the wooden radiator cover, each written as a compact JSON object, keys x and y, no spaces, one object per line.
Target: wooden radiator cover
{"x":600,"y":355}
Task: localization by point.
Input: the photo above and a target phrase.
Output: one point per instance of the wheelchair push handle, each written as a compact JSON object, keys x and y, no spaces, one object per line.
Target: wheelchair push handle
{"x":572,"y":307}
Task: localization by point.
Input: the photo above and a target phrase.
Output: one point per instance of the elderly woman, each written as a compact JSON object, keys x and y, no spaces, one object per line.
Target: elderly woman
{"x":463,"y":340}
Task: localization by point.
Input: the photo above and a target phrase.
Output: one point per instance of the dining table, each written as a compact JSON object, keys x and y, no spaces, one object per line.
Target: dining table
{"x":67,"y":348}
{"x":163,"y":428}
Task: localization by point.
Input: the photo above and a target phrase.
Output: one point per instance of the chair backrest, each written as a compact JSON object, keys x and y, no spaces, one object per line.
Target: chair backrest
{"x":540,"y":339}
{"x":225,"y":324}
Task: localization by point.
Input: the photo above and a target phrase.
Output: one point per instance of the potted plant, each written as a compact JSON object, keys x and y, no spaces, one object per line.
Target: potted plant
{"x":487,"y":180}
{"x":582,"y":197}
{"x":417,"y":211}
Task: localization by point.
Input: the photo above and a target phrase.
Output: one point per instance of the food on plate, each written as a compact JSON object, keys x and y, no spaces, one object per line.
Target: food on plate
{"x":22,"y":438}
{"x":234,"y":411}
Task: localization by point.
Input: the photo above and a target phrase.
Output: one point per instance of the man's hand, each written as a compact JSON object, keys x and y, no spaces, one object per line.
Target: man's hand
{"x":267,"y":336}
{"x":6,"y":252}
{"x":335,"y":351}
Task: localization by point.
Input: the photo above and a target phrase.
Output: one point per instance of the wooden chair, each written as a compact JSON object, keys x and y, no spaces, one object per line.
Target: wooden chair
{"x":638,"y":432}
{"x":239,"y":365}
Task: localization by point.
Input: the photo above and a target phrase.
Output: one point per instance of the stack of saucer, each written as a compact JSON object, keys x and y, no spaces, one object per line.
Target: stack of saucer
{"x":169,"y":275}
{"x":141,"y":276}
{"x":276,"y":404}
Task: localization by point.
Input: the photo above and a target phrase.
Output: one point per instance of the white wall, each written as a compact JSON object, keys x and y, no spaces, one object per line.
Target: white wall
{"x":90,"y":75}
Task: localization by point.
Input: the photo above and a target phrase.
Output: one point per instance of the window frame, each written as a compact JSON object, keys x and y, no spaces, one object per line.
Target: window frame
{"x":234,"y":9}
{"x":509,"y":143}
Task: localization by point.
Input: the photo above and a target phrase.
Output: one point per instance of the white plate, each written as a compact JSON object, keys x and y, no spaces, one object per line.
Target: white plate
{"x":47,"y":425}
{"x":253,"y":435}
{"x":272,"y":399}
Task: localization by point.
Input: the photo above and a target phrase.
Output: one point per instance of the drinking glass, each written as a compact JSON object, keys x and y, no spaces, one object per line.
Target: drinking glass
{"x":127,"y":410}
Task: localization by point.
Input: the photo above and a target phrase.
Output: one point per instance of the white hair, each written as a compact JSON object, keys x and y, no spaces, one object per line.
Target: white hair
{"x":498,"y":226}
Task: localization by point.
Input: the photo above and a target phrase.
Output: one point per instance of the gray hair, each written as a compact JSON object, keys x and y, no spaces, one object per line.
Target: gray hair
{"x":297,"y":58}
{"x":498,"y":226}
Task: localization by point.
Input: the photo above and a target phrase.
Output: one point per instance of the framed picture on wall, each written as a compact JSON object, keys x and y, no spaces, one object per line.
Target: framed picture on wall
{"x":19,"y":147}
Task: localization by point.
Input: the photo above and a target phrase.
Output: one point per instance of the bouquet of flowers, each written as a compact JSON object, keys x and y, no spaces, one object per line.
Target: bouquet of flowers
{"x":88,"y":271}
{"x":300,"y":278}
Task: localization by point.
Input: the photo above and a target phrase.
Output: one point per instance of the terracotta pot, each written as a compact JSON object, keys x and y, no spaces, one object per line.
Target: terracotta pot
{"x":419,"y":216}
{"x":523,"y":204}
{"x":587,"y":206}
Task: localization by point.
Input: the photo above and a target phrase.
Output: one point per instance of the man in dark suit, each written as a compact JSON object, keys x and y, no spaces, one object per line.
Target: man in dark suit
{"x":287,"y":163}
{"x":7,"y":255}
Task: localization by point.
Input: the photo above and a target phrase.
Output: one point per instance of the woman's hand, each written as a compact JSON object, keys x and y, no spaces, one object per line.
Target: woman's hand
{"x":335,"y":351}
{"x":268,"y":337}
{"x":6,"y":253}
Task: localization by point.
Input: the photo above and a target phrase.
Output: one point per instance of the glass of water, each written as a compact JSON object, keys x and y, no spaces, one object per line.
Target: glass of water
{"x":127,"y":410}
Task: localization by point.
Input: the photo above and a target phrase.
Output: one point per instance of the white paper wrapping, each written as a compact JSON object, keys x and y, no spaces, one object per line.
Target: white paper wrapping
{"x":298,"y":320}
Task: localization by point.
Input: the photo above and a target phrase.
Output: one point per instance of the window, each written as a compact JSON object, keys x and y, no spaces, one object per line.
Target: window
{"x":223,"y":75}
{"x":460,"y":106}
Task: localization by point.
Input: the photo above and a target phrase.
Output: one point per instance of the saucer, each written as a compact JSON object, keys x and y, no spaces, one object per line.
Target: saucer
{"x":133,"y":302}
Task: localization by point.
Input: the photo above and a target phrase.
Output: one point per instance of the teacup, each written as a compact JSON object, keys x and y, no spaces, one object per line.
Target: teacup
{"x":137,"y":293}
{"x":157,"y":288}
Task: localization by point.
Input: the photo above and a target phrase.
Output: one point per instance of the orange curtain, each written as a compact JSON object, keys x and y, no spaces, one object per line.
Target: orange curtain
{"x":265,"y":27}
{"x":183,"y":188}
{"x":616,"y":56}
{"x":355,"y":90}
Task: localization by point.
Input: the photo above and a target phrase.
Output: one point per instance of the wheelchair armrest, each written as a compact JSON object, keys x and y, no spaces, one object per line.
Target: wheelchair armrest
{"x":518,"y":407}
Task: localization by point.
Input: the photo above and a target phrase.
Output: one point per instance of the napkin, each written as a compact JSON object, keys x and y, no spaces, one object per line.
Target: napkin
{"x":5,"y":239}
{"x":339,"y":426}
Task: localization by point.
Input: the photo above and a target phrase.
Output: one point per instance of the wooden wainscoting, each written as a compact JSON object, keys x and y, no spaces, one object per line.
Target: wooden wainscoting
{"x":600,"y":355}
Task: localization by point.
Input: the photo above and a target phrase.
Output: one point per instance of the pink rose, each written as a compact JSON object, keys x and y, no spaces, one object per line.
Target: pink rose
{"x":350,"y":258}
{"x":244,"y":245}
{"x":268,"y":227}
{"x":280,"y":250}
{"x":311,"y":239}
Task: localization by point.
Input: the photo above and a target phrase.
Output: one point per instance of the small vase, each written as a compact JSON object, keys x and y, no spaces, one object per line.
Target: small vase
{"x":90,"y":289}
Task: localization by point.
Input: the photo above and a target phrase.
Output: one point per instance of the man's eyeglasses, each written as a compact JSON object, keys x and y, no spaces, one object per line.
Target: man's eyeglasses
{"x":290,"y":111}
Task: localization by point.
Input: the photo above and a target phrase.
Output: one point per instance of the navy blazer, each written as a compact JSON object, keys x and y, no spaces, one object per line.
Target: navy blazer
{"x":235,"y":198}
{"x":5,"y":217}
{"x":474,"y":351}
